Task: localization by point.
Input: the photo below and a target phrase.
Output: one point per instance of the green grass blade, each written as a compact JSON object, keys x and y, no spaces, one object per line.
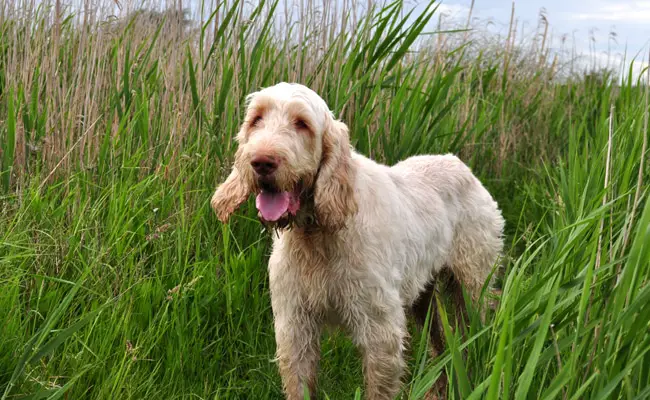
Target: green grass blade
{"x":9,"y":142}
{"x":198,"y":110}
{"x":464,"y":385}
{"x":526,"y":377}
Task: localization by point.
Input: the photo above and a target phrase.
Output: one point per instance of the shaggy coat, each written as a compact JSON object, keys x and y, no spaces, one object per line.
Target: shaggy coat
{"x":358,"y":244}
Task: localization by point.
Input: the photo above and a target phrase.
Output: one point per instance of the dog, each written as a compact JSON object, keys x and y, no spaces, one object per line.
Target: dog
{"x":359,"y":244}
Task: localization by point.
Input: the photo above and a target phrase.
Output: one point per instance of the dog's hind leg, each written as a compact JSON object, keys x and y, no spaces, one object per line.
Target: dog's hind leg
{"x":423,"y":306}
{"x":476,"y":249}
{"x":445,"y":283}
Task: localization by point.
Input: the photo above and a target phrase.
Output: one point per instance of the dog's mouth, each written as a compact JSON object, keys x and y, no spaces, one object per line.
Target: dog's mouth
{"x":274,"y":205}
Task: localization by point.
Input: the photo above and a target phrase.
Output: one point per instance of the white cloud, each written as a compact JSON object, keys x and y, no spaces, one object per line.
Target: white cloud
{"x":454,"y":11}
{"x":636,"y":11}
{"x":618,"y":62}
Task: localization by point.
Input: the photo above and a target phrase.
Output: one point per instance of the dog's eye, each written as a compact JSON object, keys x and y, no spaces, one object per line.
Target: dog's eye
{"x":256,"y":120}
{"x":301,"y":124}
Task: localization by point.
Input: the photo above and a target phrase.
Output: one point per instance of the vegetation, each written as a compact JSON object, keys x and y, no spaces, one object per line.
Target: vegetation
{"x":117,"y":281}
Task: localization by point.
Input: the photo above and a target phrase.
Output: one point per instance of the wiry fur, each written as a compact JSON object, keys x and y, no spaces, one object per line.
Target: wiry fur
{"x":378,"y":238}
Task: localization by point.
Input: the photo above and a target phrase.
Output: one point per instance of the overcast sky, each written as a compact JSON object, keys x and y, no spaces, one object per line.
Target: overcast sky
{"x":580,"y":19}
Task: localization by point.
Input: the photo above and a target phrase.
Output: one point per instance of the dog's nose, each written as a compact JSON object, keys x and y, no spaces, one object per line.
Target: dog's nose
{"x":264,"y":165}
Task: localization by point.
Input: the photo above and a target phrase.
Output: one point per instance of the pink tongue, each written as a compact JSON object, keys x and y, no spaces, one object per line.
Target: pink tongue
{"x":272,"y":205}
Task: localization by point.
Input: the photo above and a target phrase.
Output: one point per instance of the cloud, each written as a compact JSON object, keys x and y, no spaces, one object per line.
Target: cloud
{"x":454,"y":11}
{"x":635,"y":11}
{"x":617,"y":62}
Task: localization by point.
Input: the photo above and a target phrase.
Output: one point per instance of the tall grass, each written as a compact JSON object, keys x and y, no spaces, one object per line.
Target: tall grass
{"x":118,"y":282}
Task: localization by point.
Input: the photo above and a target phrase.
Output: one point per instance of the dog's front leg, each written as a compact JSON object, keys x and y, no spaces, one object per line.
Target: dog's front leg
{"x":380,"y":333}
{"x":297,"y":336}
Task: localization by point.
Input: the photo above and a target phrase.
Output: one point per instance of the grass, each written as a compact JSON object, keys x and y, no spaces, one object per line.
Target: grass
{"x":117,"y":281}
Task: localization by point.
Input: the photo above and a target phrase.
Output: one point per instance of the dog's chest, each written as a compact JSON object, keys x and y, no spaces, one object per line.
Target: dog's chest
{"x":315,"y":272}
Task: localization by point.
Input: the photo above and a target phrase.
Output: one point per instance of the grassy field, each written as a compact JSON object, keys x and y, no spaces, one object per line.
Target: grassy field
{"x":118,"y":282}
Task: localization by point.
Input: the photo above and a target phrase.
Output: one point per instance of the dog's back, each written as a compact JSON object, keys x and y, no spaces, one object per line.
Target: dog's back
{"x":477,"y":221}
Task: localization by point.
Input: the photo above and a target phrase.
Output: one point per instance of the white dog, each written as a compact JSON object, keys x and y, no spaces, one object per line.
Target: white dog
{"x":358,"y":243}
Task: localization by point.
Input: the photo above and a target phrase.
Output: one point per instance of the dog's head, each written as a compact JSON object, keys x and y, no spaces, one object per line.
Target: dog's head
{"x":295,"y":157}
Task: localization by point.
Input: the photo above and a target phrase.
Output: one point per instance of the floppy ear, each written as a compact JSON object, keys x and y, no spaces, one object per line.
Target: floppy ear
{"x":230,"y":194}
{"x":334,"y":192}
